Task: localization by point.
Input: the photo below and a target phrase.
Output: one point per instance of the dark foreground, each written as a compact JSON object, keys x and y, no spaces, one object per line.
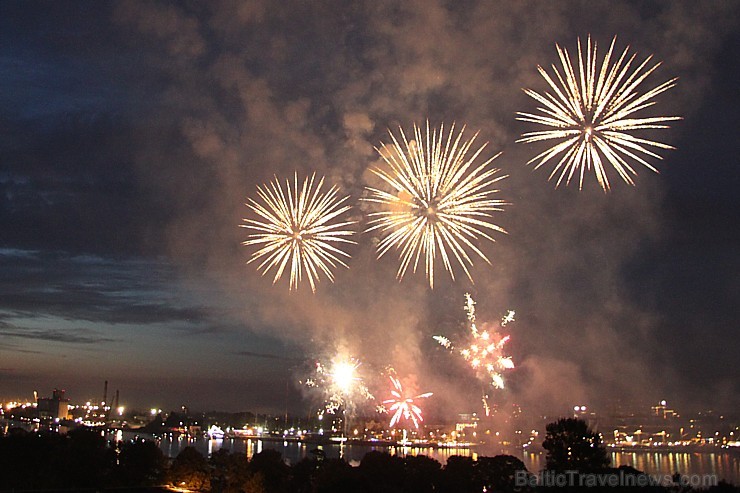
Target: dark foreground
{"x":83,"y":460}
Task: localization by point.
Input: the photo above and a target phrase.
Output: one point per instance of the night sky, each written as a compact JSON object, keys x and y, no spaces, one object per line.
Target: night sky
{"x":132,"y":133}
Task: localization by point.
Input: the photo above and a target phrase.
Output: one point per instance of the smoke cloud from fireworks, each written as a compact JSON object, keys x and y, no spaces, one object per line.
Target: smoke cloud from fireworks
{"x":316,"y":94}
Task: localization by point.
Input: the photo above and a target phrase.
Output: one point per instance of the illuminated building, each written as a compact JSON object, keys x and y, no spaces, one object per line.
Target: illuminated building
{"x":466,"y":428}
{"x":55,"y":407}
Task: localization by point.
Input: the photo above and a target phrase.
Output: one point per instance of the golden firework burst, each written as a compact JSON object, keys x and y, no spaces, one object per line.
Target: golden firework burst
{"x":590,"y":116}
{"x":297,"y":230}
{"x":437,"y":201}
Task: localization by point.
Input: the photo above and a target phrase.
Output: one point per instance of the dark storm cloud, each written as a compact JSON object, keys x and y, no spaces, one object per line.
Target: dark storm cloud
{"x":252,"y":354}
{"x":191,"y":106}
{"x":91,"y":288}
{"x":74,"y":336}
{"x":28,"y":96}
{"x":69,"y":107}
{"x":5,"y":346}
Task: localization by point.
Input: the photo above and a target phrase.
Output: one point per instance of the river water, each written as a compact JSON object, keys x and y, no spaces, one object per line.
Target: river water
{"x":724,"y":465}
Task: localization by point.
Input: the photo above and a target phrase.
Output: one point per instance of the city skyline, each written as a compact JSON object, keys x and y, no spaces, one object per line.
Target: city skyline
{"x":659,"y":427}
{"x":133,"y":134}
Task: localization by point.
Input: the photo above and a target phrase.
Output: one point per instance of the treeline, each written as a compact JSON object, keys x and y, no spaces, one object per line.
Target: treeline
{"x":79,"y":460}
{"x":82,"y":460}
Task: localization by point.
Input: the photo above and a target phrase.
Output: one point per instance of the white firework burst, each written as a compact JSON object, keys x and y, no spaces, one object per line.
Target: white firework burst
{"x":590,"y":115}
{"x":297,"y":230}
{"x":440,"y":201}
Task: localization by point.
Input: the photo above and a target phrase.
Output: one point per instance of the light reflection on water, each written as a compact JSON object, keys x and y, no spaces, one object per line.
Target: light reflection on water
{"x":295,"y":451}
{"x":725,"y":466}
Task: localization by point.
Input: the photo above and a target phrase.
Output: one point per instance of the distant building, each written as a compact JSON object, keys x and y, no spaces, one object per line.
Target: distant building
{"x":466,"y":427}
{"x":662,"y":411}
{"x":55,"y":407}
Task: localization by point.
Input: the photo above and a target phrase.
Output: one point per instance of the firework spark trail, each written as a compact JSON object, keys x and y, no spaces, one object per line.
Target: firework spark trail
{"x":340,"y":384}
{"x":440,"y":201}
{"x":295,"y":230}
{"x":481,"y":351}
{"x":443,"y":341}
{"x":508,"y":318}
{"x":486,"y":406}
{"x":591,"y":116}
{"x":403,"y":406}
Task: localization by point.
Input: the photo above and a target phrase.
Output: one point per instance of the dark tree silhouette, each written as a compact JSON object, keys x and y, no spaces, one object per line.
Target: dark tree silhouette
{"x":229,"y":471}
{"x":41,"y":460}
{"x":303,"y":474}
{"x":86,"y":460}
{"x":141,"y":463}
{"x":337,"y":476}
{"x":191,"y":470}
{"x":30,"y":460}
{"x":459,"y":476}
{"x":383,"y":472}
{"x":269,"y":466}
{"x":572,"y":445}
{"x":498,"y":473}
{"x":723,"y":487}
{"x":422,"y":474}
